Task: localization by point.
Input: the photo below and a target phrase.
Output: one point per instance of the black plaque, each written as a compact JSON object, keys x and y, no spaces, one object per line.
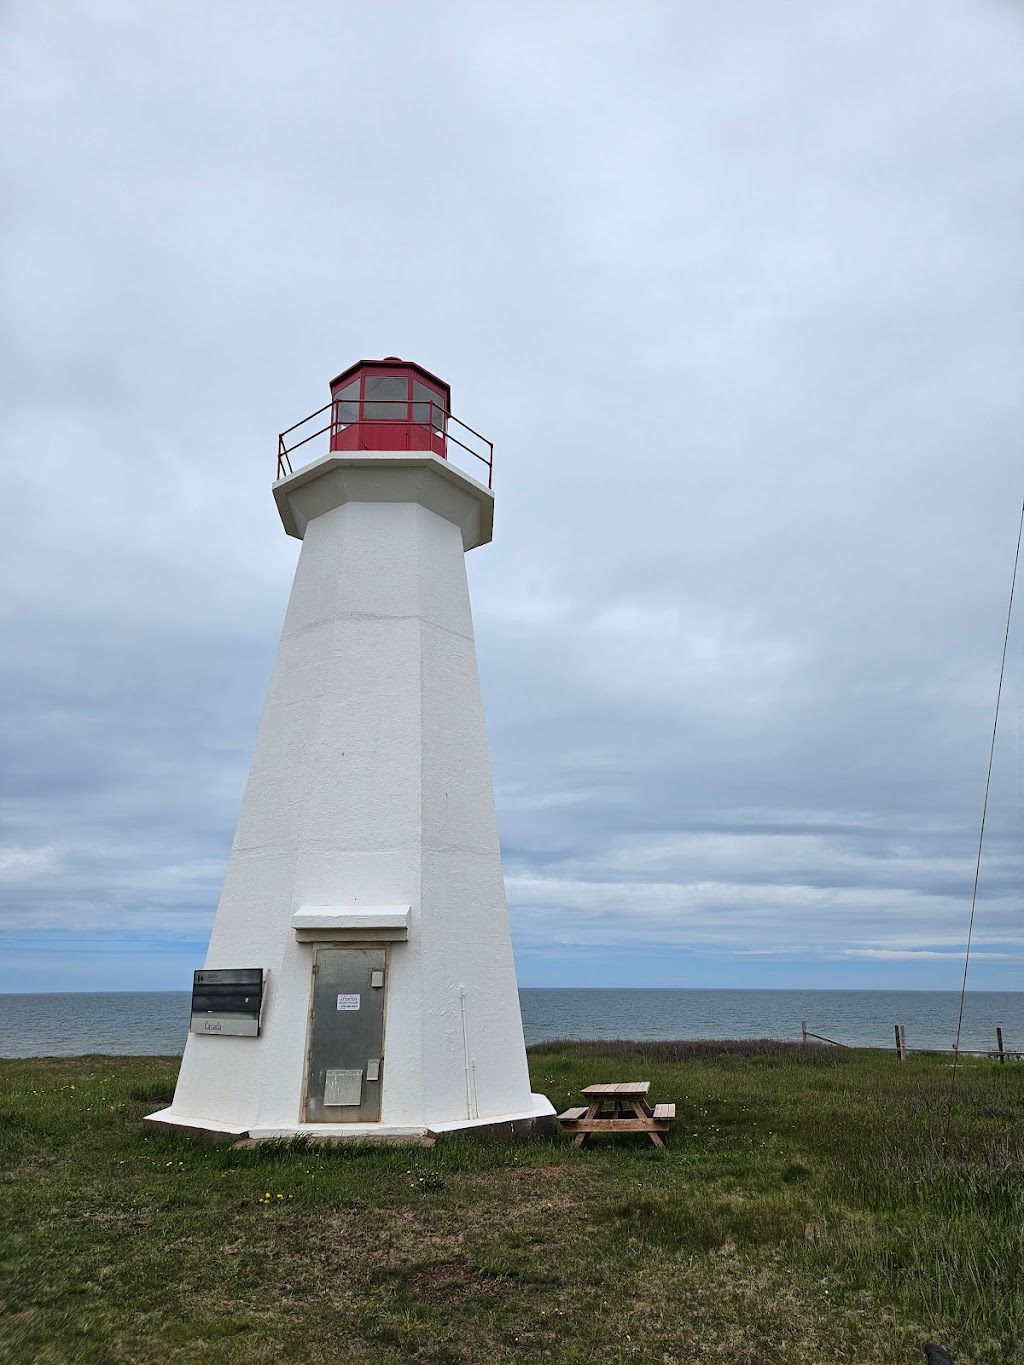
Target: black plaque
{"x":228,"y":1001}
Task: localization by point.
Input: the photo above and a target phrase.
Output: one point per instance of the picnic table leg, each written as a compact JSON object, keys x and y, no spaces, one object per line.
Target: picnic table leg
{"x":580,"y":1140}
{"x":643,"y":1111}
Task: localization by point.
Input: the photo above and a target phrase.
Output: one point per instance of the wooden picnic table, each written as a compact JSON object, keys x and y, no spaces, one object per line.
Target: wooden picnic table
{"x":618,"y":1108}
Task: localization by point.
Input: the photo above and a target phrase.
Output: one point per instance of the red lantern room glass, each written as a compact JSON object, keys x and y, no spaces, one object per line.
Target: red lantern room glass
{"x":389,"y":404}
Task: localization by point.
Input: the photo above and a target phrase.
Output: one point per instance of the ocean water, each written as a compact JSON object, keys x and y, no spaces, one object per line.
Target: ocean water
{"x":156,"y":1022}
{"x":857,"y":1018}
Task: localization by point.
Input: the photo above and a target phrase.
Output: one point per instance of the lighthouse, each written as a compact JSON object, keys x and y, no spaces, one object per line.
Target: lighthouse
{"x":359,"y":980}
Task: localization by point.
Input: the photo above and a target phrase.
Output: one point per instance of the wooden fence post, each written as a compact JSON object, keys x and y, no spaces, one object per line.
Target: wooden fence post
{"x":999,"y":1044}
{"x":901,"y":1042}
{"x":803,"y":1030}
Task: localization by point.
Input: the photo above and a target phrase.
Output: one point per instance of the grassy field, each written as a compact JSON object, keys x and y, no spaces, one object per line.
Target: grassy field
{"x":802,"y":1213}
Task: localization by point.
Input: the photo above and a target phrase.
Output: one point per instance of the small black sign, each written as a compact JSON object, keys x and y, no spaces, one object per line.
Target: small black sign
{"x":227,"y":1000}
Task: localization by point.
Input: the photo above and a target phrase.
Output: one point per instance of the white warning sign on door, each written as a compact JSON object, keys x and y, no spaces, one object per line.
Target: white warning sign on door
{"x":348,"y":1002}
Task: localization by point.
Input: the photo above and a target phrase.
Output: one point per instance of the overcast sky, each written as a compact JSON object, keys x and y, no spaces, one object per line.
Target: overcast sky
{"x":738,"y":292}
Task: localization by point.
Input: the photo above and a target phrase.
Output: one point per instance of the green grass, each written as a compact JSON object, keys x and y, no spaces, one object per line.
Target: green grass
{"x":803,"y":1213}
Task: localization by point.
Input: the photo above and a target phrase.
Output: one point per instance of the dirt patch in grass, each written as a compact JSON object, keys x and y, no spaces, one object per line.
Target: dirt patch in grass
{"x":453,"y":1282}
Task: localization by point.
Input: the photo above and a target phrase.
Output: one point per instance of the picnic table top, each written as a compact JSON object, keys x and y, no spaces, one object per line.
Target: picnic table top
{"x":624,"y":1090}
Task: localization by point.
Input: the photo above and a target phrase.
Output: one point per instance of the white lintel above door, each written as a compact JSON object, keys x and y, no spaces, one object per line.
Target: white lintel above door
{"x":351,"y":923}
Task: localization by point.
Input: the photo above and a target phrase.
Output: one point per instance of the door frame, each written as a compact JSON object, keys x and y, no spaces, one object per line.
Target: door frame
{"x":317,"y":946}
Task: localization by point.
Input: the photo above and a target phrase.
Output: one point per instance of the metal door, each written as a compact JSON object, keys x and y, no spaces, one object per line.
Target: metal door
{"x":346,"y":1036}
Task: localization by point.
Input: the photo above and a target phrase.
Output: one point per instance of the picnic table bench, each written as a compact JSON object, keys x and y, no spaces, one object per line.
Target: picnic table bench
{"x":619,"y":1108}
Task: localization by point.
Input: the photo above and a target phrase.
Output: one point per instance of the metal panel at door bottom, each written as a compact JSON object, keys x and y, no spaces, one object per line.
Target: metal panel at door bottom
{"x":346,"y":1036}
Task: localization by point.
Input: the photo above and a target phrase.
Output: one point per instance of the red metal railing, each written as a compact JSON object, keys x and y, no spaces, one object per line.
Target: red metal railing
{"x":425,"y":426}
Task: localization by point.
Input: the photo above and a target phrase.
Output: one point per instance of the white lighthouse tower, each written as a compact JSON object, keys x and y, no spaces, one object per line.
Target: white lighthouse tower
{"x":359,"y":980}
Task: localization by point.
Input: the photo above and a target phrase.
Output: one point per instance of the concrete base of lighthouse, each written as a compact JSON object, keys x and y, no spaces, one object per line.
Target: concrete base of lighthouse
{"x":368,"y":831}
{"x":539,"y":1121}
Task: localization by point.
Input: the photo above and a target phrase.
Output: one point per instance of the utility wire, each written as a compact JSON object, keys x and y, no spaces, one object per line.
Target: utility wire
{"x":981,"y":837}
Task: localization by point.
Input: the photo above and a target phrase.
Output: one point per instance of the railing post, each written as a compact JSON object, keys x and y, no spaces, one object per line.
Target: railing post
{"x":999,"y":1044}
{"x":803,"y":1030}
{"x":901,"y":1042}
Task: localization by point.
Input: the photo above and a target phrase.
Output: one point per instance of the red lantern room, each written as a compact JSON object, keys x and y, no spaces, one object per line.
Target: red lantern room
{"x":389,"y":404}
{"x":383,"y":405}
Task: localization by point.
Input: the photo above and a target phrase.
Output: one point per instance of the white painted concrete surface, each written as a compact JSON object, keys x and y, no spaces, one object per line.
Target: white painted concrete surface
{"x":370,"y":786}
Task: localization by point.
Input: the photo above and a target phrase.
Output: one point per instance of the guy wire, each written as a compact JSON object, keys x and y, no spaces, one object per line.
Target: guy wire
{"x":981,"y":838}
